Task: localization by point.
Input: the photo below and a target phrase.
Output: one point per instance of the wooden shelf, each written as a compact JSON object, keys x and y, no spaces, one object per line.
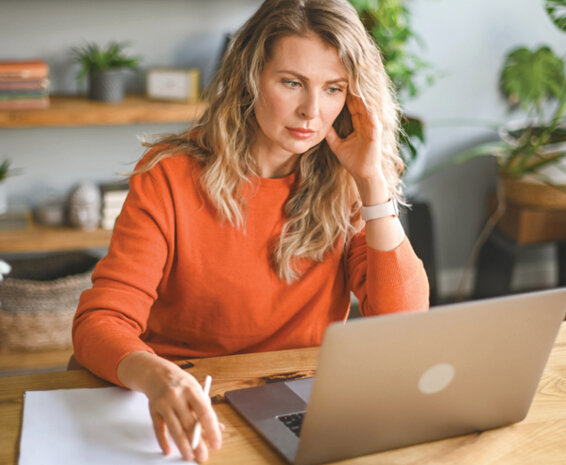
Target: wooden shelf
{"x":78,"y":111}
{"x":43,"y":239}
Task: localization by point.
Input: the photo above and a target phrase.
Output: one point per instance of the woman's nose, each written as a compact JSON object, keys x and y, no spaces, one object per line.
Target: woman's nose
{"x":309,"y":106}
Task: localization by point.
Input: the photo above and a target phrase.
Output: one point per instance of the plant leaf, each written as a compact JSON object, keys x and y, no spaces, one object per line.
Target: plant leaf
{"x":4,"y":169}
{"x":556,"y":9}
{"x":529,"y":78}
{"x":94,"y":58}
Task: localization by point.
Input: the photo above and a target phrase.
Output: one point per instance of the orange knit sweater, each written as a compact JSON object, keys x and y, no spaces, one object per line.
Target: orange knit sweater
{"x":178,"y":282}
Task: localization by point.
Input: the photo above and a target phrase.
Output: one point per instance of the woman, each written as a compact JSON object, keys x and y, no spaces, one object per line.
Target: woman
{"x":244,"y":233}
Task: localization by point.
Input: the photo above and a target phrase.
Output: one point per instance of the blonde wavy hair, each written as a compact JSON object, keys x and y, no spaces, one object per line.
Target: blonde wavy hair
{"x":324,"y":205}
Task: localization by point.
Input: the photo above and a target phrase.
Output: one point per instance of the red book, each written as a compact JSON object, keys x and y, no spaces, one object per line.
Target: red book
{"x":23,"y":69}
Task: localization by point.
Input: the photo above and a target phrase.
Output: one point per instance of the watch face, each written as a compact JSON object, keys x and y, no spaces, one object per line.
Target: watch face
{"x":180,"y":85}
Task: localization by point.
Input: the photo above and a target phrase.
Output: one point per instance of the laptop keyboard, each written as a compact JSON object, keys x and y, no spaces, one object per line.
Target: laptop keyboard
{"x":293,"y":421}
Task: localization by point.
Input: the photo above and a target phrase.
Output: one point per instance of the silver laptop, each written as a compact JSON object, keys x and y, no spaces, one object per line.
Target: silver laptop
{"x":396,"y":380}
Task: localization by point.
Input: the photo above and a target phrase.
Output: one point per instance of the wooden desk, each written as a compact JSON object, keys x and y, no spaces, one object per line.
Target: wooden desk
{"x":540,"y":438}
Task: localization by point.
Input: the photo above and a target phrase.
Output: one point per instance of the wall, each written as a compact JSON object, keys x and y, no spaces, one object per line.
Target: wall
{"x":466,"y":41}
{"x":183,"y":33}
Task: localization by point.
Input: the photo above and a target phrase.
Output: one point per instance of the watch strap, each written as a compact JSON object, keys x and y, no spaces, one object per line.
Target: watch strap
{"x":373,"y":212}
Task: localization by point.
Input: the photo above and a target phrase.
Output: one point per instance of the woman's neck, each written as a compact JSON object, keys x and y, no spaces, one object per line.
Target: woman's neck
{"x":276,"y":167}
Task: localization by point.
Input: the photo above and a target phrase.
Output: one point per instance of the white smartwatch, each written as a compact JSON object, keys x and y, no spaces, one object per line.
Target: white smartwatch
{"x":373,"y":212}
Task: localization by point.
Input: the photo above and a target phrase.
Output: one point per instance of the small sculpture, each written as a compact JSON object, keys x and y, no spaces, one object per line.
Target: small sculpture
{"x":84,"y":206}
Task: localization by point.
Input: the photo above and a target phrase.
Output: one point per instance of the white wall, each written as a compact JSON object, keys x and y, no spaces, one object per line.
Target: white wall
{"x":466,"y":41}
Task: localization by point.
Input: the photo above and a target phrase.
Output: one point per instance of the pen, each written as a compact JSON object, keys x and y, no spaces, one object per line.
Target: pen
{"x":198,"y":428}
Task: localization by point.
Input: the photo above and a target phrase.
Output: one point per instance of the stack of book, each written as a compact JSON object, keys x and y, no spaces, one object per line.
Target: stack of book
{"x":113,"y":197}
{"x":24,"y":85}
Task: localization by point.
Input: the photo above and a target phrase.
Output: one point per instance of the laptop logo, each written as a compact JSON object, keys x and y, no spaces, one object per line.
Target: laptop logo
{"x":436,"y":378}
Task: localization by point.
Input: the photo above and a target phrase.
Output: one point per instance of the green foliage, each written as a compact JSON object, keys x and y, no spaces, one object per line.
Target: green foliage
{"x":389,"y":23}
{"x":412,"y":132}
{"x":556,"y":10}
{"x":534,"y":82}
{"x":522,"y":151}
{"x":91,"y":57}
{"x":529,"y":79}
{"x":4,"y":170}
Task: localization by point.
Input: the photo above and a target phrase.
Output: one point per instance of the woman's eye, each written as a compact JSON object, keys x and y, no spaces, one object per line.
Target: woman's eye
{"x":334,"y":90}
{"x":291,"y":83}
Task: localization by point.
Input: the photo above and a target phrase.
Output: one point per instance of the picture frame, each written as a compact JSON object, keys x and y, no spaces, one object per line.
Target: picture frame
{"x":172,"y":84}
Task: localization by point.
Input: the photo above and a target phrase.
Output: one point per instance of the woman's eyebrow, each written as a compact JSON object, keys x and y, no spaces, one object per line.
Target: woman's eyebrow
{"x":306,"y":79}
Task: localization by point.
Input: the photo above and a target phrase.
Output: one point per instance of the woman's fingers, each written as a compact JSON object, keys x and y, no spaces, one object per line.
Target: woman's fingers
{"x":160,"y":430}
{"x":179,"y":435}
{"x":208,"y":419}
{"x":363,"y":119}
{"x":201,"y":452}
{"x":176,"y":402}
{"x":176,"y":408}
{"x":181,"y":432}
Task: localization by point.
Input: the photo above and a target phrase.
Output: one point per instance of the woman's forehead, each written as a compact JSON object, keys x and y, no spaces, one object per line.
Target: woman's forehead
{"x":306,"y":55}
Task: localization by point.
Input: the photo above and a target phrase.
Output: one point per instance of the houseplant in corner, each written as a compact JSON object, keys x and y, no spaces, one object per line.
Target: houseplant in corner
{"x":104,"y":68}
{"x":531,"y":152}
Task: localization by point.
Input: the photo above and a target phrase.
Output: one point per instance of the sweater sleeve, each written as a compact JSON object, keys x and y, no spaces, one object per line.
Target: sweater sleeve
{"x":113,"y":314}
{"x":386,"y":281}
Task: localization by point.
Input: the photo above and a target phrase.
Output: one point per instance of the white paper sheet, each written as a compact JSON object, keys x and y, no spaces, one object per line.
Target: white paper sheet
{"x":89,"y":426}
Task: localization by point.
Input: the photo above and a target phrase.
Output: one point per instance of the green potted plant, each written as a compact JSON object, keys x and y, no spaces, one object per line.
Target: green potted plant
{"x":531,"y":151}
{"x":389,"y":23}
{"x":104,"y":67}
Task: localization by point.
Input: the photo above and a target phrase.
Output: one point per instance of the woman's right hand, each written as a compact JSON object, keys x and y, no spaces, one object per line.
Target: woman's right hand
{"x":176,"y":402}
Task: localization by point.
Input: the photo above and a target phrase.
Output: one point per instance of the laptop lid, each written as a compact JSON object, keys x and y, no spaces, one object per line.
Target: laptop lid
{"x":396,"y":380}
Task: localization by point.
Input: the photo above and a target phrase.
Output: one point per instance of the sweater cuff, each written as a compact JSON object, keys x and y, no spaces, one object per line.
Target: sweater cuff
{"x":401,"y":283}
{"x":401,"y":262}
{"x":102,"y":355}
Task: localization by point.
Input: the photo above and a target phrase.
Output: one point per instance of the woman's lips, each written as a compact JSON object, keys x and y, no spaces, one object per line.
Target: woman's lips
{"x":301,"y":133}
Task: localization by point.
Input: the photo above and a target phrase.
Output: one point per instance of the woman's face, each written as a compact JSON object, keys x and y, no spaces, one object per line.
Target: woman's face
{"x":302,"y":90}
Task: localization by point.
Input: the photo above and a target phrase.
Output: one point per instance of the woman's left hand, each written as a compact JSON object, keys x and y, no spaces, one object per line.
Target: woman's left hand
{"x":360,"y":152}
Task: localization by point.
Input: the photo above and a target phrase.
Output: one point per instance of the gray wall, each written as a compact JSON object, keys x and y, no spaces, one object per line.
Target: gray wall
{"x":466,"y":41}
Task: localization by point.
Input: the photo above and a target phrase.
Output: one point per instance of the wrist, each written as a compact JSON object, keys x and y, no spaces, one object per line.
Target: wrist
{"x":373,"y":190}
{"x":135,"y":369}
{"x":381,"y":210}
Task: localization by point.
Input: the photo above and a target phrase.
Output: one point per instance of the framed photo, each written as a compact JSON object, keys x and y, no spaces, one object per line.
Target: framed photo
{"x":173,"y":84}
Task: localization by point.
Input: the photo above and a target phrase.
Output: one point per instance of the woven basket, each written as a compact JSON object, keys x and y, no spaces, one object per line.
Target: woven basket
{"x":39,"y":298}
